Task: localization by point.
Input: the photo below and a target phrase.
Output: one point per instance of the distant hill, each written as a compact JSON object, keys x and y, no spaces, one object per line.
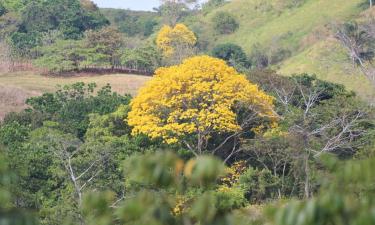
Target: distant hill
{"x":300,"y":28}
{"x":133,"y":23}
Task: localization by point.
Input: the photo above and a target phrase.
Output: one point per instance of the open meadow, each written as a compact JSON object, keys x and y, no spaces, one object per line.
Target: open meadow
{"x":15,"y":88}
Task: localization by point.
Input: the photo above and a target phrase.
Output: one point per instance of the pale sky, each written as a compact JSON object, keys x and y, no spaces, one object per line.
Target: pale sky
{"x":129,"y":4}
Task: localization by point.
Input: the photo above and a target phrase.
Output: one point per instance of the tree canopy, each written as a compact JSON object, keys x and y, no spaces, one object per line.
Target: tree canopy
{"x":174,"y":42}
{"x":200,"y":97}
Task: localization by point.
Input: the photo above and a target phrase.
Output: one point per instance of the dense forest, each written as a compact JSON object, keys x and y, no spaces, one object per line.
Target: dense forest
{"x":218,"y":135}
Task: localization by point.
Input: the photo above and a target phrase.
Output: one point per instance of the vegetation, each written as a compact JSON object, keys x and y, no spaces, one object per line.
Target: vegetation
{"x":232,"y":54}
{"x":209,"y":95}
{"x":207,"y":140}
{"x":224,"y":23}
{"x":133,"y":24}
{"x":176,"y":43}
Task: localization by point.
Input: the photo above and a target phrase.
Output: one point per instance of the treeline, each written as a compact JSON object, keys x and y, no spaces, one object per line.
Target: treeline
{"x":68,"y":36}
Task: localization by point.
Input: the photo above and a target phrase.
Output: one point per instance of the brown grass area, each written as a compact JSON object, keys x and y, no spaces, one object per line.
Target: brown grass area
{"x":15,"y":88}
{"x":13,"y":99}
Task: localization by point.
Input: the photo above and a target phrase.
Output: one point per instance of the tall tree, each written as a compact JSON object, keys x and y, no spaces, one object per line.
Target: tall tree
{"x":201,"y":98}
{"x":359,"y":43}
{"x":106,"y":41}
{"x":173,"y":10}
{"x":176,"y":43}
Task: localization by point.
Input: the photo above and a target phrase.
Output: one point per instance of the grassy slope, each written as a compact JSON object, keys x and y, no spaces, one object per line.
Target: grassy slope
{"x":263,"y":20}
{"x":15,"y":88}
{"x":303,"y":30}
{"x":327,"y":59}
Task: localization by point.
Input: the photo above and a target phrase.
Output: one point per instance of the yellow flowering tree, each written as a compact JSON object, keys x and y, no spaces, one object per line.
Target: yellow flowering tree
{"x":177,"y":42}
{"x":197,"y":100}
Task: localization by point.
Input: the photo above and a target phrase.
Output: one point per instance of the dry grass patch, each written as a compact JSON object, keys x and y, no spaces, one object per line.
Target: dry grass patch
{"x":13,"y":99}
{"x":15,"y":88}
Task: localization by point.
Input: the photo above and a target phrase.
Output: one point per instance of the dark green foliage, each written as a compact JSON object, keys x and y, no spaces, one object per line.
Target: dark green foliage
{"x":231,"y":53}
{"x":3,"y":10}
{"x":362,"y":41}
{"x":9,"y":214}
{"x":224,"y":23}
{"x":65,"y":15}
{"x":338,"y":201}
{"x":72,"y":104}
{"x":149,"y":27}
{"x":12,"y":133}
{"x":146,"y":58}
{"x":259,"y":185}
{"x":23,"y":43}
{"x":132,"y":23}
{"x":258,"y":57}
{"x":161,"y":176}
{"x":65,"y":56}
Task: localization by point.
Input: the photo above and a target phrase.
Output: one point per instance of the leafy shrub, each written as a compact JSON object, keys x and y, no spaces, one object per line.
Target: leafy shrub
{"x":258,"y":184}
{"x":148,"y":27}
{"x":258,"y":56}
{"x":231,"y":53}
{"x":146,"y":58}
{"x":72,"y":104}
{"x":2,"y":9}
{"x":224,"y":23}
{"x":228,"y":198}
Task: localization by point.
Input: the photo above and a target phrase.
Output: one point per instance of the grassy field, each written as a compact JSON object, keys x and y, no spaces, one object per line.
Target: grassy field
{"x":263,"y":21}
{"x":327,"y":60}
{"x":306,"y":31}
{"x":15,"y":88}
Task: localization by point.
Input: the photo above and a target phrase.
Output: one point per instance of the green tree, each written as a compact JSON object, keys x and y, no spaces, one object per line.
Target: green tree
{"x":65,"y":56}
{"x":346,"y":197}
{"x":71,"y":105}
{"x":199,"y":199}
{"x":224,"y":23}
{"x":3,"y":10}
{"x":68,"y":16}
{"x":173,"y":10}
{"x":231,"y":53}
{"x":10,"y":214}
{"x":106,"y":42}
{"x":146,"y":58}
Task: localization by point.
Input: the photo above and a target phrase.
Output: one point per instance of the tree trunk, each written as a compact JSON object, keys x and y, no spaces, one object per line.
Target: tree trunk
{"x":307,"y":177}
{"x":307,"y":167}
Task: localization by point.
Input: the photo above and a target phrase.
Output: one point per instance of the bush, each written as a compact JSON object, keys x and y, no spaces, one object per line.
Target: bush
{"x":224,"y":23}
{"x":146,"y":58}
{"x":258,"y":185}
{"x":258,"y":57}
{"x":2,"y":9}
{"x":71,"y":105}
{"x":229,"y":198}
{"x":231,"y":53}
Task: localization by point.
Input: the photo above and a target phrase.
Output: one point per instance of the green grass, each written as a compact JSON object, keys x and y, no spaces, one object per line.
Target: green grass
{"x":261,"y":21}
{"x":15,"y":88}
{"x":304,"y":30}
{"x":328,"y":61}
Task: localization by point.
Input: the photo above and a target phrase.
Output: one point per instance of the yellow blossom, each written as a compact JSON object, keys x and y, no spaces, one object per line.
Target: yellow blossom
{"x":168,"y":38}
{"x":197,"y":97}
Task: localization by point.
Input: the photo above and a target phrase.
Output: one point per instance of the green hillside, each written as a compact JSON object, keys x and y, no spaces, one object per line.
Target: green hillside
{"x":262,"y":21}
{"x":303,"y":30}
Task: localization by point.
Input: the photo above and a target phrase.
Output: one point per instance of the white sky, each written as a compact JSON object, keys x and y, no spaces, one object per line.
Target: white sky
{"x":129,"y":4}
